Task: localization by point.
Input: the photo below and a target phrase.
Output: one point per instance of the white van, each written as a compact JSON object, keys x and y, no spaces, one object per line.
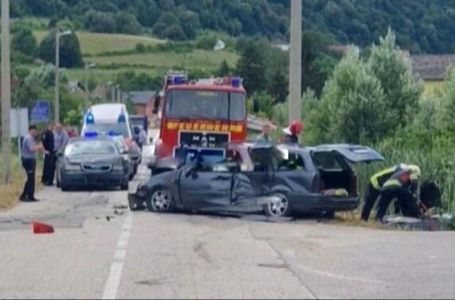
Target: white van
{"x":111,"y":120}
{"x":107,"y":119}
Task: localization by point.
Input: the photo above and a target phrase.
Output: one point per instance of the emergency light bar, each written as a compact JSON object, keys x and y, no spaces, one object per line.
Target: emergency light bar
{"x":89,"y":118}
{"x":90,"y":134}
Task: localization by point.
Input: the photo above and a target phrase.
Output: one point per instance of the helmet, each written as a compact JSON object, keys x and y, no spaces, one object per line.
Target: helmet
{"x":295,"y":128}
{"x":415,"y":170}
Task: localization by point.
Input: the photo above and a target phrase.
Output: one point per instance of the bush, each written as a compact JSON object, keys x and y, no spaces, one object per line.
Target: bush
{"x":24,"y":41}
{"x":70,"y":50}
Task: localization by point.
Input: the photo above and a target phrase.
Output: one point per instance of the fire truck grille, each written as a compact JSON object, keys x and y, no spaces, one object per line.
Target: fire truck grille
{"x":199,"y":139}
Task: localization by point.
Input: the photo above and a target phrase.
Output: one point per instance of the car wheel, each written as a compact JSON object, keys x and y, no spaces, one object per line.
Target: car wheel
{"x":279,"y":206}
{"x":124,"y":186}
{"x":160,"y":201}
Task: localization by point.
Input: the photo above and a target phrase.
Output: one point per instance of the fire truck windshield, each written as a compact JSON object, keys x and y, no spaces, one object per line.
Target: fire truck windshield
{"x":211,"y":105}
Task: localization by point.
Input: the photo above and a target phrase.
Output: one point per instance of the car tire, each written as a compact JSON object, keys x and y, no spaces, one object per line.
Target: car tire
{"x":124,"y":186}
{"x":160,"y":200}
{"x":279,"y":206}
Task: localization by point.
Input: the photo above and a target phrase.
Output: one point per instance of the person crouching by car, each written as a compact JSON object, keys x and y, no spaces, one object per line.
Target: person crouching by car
{"x":403,"y":186}
{"x":292,"y":133}
{"x":375,"y":185}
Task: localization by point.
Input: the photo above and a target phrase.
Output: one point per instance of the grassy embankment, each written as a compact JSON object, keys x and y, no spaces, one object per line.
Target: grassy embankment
{"x":115,"y":53}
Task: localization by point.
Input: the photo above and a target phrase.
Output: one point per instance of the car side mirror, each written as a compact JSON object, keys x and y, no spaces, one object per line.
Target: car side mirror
{"x":59,"y":154}
{"x":150,"y":166}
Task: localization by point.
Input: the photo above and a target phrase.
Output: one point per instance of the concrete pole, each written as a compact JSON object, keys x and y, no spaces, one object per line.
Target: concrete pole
{"x":6,"y":93}
{"x":57,"y":78}
{"x":295,"y":62}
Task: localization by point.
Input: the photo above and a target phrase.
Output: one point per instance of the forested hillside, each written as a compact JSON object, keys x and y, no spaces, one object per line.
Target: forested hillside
{"x":421,"y":25}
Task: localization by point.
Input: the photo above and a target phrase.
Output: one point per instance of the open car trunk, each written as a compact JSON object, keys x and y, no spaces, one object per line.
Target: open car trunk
{"x":336,"y":177}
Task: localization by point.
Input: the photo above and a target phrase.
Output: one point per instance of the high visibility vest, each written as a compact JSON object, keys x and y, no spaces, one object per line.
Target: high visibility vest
{"x":378,"y":179}
{"x":401,"y":179}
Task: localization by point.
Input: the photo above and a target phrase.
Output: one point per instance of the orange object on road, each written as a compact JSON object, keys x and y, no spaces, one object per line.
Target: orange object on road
{"x":41,"y":228}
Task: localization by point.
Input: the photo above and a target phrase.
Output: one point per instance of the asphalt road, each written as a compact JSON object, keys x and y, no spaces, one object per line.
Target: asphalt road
{"x":100,"y":249}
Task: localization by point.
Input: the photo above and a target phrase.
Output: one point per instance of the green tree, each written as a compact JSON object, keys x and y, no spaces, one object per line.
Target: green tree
{"x":401,"y":88}
{"x":127,"y":23}
{"x":224,"y":69}
{"x":279,"y":86}
{"x":70,"y":50}
{"x":175,"y":33}
{"x":353,"y":107}
{"x":251,"y":66}
{"x":99,"y":22}
{"x":24,"y":41}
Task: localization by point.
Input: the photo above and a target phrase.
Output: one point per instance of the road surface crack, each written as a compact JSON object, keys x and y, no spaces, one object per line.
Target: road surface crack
{"x":286,"y":264}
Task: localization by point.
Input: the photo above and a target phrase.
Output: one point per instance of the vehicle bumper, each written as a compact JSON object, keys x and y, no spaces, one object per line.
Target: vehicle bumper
{"x":93,"y":179}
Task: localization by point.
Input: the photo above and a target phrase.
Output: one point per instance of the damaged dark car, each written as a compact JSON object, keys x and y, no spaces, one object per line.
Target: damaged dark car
{"x":279,"y":181}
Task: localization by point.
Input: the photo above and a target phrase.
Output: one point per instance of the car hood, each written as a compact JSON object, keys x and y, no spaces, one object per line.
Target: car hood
{"x":94,"y":159}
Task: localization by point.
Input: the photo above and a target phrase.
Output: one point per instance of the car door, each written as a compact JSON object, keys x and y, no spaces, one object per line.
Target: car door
{"x":206,"y":188}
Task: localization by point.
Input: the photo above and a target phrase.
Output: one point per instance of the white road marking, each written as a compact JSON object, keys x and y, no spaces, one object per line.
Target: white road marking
{"x":115,"y":273}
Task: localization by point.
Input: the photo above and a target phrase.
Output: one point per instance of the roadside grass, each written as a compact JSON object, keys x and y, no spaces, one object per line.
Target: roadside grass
{"x":432,"y":88}
{"x":94,"y":43}
{"x":9,"y":194}
{"x":352,"y":218}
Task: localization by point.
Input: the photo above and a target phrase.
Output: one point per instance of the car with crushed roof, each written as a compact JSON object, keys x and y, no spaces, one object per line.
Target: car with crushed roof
{"x":277,"y":180}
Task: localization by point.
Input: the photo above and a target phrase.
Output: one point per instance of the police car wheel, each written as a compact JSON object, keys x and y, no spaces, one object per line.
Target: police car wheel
{"x":278,"y":206}
{"x":160,"y":200}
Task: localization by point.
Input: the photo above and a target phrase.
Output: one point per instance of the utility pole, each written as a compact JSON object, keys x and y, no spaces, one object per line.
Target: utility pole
{"x":6,"y":93}
{"x":58,"y":35}
{"x":295,"y":62}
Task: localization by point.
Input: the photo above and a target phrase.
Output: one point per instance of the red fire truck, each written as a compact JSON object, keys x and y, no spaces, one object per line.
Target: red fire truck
{"x":204,"y":114}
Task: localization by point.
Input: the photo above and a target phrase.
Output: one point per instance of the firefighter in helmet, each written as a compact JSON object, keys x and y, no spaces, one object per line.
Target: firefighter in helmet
{"x":292,"y":133}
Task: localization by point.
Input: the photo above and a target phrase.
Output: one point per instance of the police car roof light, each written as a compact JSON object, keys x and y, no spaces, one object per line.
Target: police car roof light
{"x":90,"y":134}
{"x":89,"y":118}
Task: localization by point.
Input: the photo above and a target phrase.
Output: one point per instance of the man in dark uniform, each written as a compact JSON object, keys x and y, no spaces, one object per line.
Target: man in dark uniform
{"x":29,"y":150}
{"x":49,"y":156}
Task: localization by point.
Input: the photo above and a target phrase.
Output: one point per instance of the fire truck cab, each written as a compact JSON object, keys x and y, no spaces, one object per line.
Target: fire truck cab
{"x":204,"y":114}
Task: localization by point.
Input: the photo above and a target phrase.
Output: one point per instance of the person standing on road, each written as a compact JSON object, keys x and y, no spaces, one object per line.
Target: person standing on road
{"x":60,"y":138}
{"x":47,"y":139}
{"x":29,"y":150}
{"x":266,"y":135}
{"x":142,"y":137}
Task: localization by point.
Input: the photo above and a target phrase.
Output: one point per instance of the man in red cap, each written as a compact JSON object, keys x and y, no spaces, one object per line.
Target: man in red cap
{"x":292,"y":132}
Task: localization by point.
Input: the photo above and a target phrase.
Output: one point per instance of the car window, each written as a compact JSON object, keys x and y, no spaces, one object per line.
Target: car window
{"x":293,"y":162}
{"x":91,"y":148}
{"x":327,"y":161}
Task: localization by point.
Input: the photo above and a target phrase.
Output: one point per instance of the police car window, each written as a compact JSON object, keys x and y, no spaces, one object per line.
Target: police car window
{"x":327,"y":161}
{"x":91,"y":148}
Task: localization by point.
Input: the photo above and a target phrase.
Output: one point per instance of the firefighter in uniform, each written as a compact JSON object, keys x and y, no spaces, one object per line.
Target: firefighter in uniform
{"x":403,"y":186}
{"x":374,"y":188}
